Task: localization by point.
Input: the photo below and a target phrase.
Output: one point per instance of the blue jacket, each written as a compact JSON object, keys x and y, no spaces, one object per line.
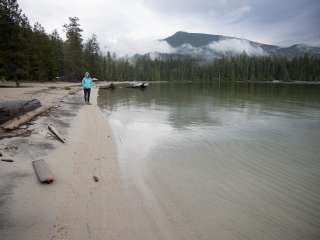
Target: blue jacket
{"x":87,"y":82}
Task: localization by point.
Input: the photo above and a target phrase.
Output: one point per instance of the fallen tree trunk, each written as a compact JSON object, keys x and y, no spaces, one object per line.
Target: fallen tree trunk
{"x":108,"y":86}
{"x":7,"y":160}
{"x":18,"y":121}
{"x":55,"y":132}
{"x":12,"y":109}
{"x":42,"y":171}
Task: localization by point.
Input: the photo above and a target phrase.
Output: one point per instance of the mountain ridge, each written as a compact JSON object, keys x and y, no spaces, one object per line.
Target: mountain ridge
{"x":213,"y":45}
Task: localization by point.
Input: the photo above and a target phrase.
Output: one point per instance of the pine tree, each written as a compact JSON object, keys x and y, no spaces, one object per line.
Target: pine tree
{"x":92,"y":56}
{"x":57,"y":55}
{"x":73,"y":57}
{"x":12,"y":45}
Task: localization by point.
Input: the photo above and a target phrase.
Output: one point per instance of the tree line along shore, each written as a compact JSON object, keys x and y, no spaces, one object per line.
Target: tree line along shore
{"x":30,"y":53}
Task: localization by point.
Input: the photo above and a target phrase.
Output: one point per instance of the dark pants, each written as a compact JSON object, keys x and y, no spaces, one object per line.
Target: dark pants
{"x":87,"y":94}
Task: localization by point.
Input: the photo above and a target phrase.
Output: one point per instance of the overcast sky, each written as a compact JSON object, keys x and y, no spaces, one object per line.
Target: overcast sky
{"x":131,"y":24}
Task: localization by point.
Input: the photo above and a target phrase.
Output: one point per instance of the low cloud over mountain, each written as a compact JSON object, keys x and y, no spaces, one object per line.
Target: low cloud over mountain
{"x":237,"y":46}
{"x":213,"y":46}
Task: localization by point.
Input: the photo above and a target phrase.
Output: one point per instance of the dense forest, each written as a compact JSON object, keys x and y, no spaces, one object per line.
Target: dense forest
{"x":30,"y":53}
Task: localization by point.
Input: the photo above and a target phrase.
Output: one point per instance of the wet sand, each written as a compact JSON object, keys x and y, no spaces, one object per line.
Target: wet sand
{"x":74,"y":206}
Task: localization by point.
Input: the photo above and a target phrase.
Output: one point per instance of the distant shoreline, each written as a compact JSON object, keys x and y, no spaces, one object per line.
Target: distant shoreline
{"x":55,"y":84}
{"x":283,"y":82}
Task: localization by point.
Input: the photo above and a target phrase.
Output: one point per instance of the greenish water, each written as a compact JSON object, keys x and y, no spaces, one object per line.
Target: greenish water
{"x":237,"y":161}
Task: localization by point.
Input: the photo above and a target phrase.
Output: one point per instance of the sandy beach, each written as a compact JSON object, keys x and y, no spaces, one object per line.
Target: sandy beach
{"x":74,"y":206}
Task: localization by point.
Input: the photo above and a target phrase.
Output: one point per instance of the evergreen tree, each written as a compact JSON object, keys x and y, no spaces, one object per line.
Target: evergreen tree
{"x":92,"y":56}
{"x":57,"y":55}
{"x":41,"y":60}
{"x":73,"y":61}
{"x":12,"y":45}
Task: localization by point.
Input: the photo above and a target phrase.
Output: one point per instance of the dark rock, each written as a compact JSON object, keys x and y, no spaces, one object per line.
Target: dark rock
{"x":95,"y":178}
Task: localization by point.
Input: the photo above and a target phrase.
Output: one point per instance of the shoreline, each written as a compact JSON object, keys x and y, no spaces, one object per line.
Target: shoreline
{"x":74,"y":206}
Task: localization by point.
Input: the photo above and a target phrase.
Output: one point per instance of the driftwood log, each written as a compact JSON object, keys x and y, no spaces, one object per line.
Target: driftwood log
{"x":108,"y":86}
{"x":42,"y":171}
{"x":17,"y":133}
{"x":55,"y":132}
{"x":18,"y":121}
{"x":12,"y":109}
{"x":7,"y":160}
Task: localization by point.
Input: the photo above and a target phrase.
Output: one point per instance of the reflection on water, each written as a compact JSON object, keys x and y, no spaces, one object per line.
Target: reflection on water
{"x":236,"y":161}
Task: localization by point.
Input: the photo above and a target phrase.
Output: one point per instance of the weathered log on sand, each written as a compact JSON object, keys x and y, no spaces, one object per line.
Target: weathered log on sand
{"x":12,"y":109}
{"x":42,"y":171}
{"x":17,"y":133}
{"x":55,"y":132}
{"x":108,"y":86}
{"x":7,"y":160}
{"x":18,"y":121}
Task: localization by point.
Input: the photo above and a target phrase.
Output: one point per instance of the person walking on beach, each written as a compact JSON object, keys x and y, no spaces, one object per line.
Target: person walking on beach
{"x":87,"y":84}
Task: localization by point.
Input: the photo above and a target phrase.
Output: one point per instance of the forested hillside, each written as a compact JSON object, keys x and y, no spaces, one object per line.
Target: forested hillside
{"x":241,"y":68}
{"x":30,"y":53}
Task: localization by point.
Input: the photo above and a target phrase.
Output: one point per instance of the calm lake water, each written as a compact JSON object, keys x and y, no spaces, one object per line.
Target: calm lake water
{"x":235,"y":161}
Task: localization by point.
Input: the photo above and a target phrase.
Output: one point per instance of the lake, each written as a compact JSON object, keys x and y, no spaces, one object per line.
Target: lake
{"x":228,"y":161}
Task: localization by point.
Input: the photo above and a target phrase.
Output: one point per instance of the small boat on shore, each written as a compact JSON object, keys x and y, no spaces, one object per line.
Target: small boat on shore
{"x":138,"y":85}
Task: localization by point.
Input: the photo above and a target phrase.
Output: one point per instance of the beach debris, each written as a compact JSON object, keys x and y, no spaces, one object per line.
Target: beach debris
{"x":138,"y":85}
{"x":95,"y":178}
{"x":18,"y":133}
{"x":11,"y":148}
{"x":108,"y":86}
{"x":42,"y":171}
{"x":55,"y":132}
{"x":16,"y":122}
{"x":73,"y":91}
{"x":16,"y":108}
{"x":7,"y":160}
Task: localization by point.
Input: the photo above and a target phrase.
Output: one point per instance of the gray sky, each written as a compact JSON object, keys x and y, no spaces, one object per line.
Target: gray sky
{"x":130,"y":25}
